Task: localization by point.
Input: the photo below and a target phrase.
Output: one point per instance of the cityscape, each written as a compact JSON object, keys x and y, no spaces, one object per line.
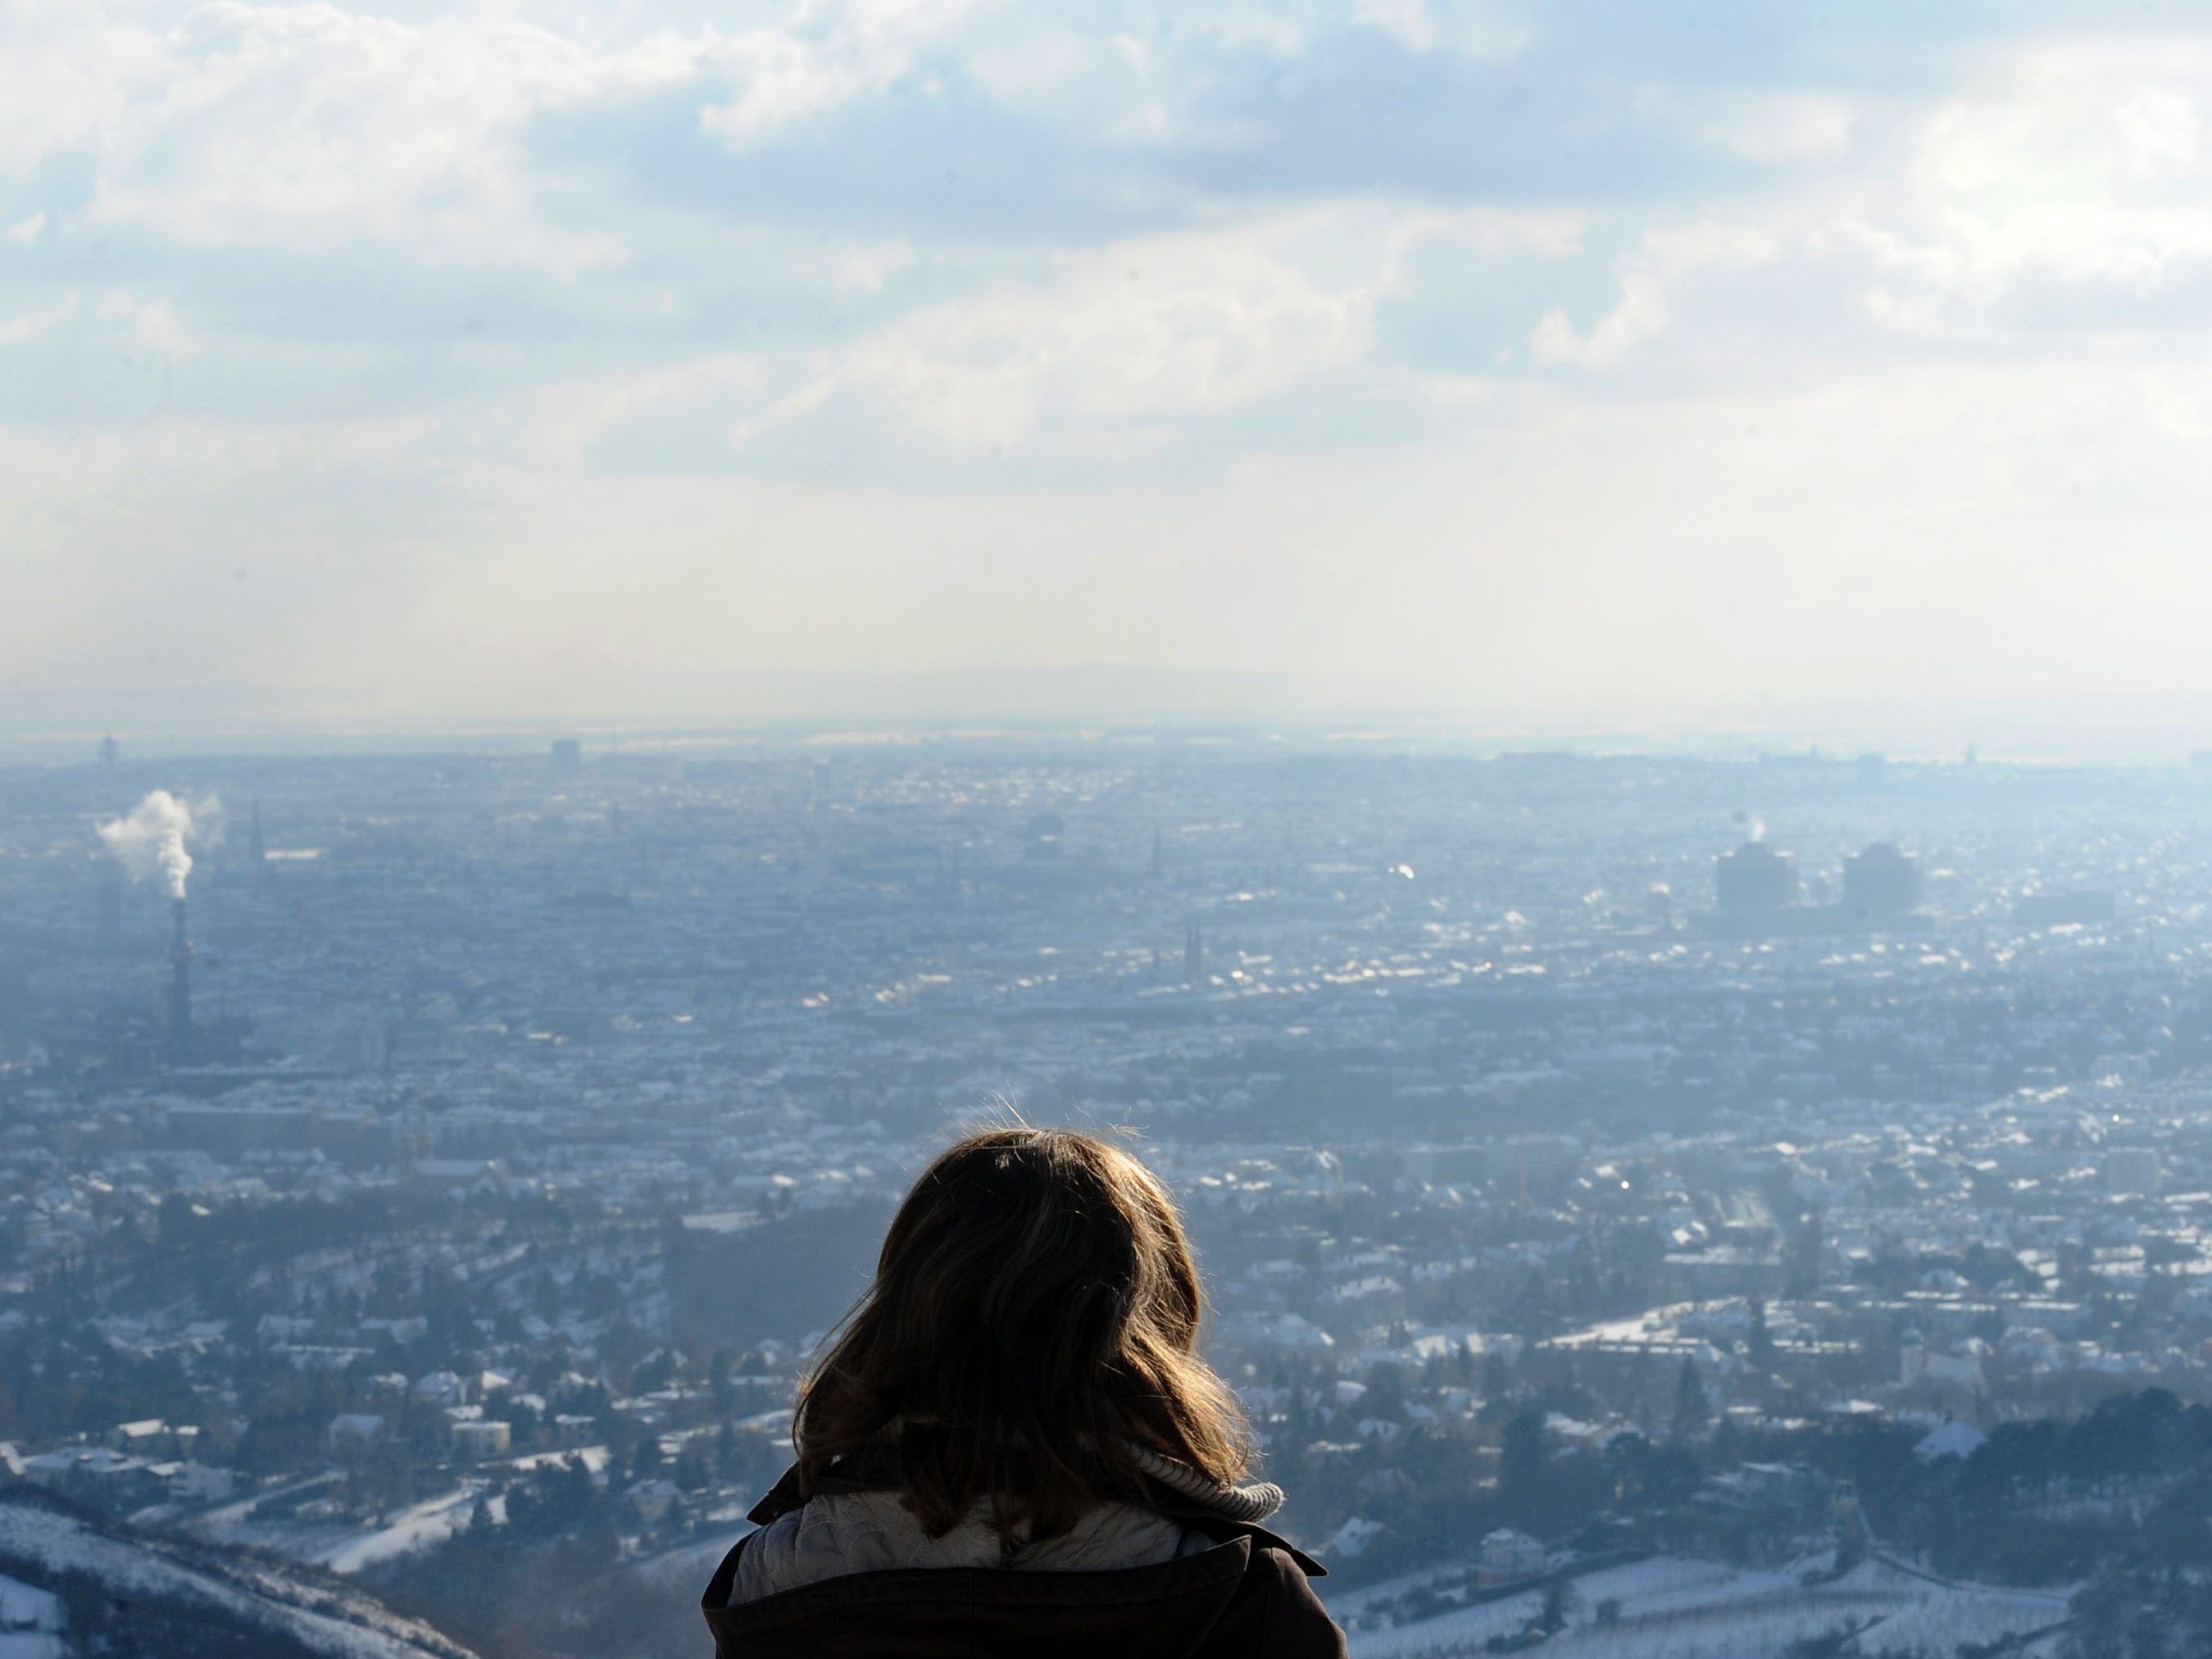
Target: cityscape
{"x":1193,"y":829}
{"x":1650,"y":1204}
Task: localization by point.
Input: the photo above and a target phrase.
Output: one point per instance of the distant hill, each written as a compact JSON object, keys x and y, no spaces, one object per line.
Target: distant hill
{"x":74,"y":1584}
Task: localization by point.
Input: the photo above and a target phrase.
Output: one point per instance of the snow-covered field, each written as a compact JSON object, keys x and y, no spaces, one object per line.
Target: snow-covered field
{"x":688,"y":1566}
{"x":419,"y":1527}
{"x":43,"y":1542}
{"x":1676,"y":1608}
{"x":347,"y":1547}
{"x":31,"y":1622}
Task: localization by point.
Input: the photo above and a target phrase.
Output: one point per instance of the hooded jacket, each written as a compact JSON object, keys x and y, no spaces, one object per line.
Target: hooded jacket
{"x":1236,"y":1592}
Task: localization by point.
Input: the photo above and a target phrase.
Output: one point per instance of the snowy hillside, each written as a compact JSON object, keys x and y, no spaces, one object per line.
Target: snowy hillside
{"x":74,"y":1584}
{"x":1670,"y":1607}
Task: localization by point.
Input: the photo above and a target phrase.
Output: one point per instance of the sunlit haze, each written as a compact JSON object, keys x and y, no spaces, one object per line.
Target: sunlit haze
{"x":1835,"y":370}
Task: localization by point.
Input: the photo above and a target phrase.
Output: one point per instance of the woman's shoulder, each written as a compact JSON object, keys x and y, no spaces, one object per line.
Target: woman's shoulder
{"x":1295,"y":1624}
{"x":824,"y":1537}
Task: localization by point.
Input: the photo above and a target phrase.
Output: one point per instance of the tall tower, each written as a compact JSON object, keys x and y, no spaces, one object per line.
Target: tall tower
{"x":180,"y":986}
{"x":1193,"y":954}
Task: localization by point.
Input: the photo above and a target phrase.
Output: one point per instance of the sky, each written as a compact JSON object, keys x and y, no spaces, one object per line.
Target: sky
{"x":1604,"y":362}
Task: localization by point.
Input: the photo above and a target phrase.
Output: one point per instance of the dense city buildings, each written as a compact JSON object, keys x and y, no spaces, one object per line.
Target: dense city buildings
{"x":446,"y":1185}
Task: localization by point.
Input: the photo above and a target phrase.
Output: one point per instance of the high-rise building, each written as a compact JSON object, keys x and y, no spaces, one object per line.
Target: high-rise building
{"x":1755,"y":876}
{"x":1880,"y":883}
{"x":567,"y":754}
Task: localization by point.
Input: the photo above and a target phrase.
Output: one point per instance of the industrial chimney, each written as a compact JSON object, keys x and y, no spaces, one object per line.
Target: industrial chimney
{"x":180,"y":986}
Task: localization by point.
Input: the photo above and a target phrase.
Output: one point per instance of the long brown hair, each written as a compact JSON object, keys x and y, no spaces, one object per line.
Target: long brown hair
{"x":1035,"y":1309}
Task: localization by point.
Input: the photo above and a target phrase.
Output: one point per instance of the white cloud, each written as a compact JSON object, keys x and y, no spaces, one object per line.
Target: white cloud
{"x":409,"y":129}
{"x":152,"y":324}
{"x":832,"y":54}
{"x":2078,"y":160}
{"x":29,"y":326}
{"x":1958,"y":333}
{"x":2066,"y":175}
{"x":1170,"y":326}
{"x":563,"y":420}
{"x":2161,"y":131}
{"x":147,"y":325}
{"x":1457,"y":25}
{"x":868,"y":268}
{"x":1665,"y":260}
{"x":1293,"y":28}
{"x":307,"y":126}
{"x":1789,"y":129}
{"x":1161,"y":328}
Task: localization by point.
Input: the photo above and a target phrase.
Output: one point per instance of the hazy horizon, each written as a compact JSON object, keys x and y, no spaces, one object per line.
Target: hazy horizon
{"x":1082,"y":703}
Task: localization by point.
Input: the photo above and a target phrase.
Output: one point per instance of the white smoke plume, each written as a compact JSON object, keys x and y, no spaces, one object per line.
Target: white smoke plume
{"x":155,"y":838}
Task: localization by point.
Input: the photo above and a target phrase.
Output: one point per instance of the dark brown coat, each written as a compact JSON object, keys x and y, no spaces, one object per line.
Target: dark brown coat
{"x":1245,"y":1598}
